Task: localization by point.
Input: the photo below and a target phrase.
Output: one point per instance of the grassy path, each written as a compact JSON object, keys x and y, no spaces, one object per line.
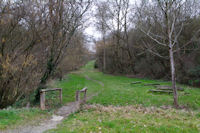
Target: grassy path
{"x":117,"y":90}
{"x":115,"y":105}
{"x":121,"y":107}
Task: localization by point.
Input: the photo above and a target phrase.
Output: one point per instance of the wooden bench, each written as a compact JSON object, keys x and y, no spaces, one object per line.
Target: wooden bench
{"x":161,"y":91}
{"x":78,"y":95}
{"x":136,"y":82}
{"x":165,"y":87}
{"x":42,"y":96}
{"x":151,"y":84}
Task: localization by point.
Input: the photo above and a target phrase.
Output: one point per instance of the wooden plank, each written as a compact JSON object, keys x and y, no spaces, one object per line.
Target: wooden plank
{"x":60,"y":96}
{"x":170,"y":89}
{"x":84,"y":89}
{"x":161,"y":91}
{"x":42,"y":100}
{"x":165,"y":87}
{"x":42,"y":96}
{"x":53,"y":89}
{"x":151,"y":84}
{"x":137,"y":82}
{"x":85,"y":97}
{"x":77,"y":95}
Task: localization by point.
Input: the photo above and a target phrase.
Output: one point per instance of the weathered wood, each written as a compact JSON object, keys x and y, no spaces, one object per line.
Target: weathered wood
{"x":85,"y":98}
{"x":170,"y":89}
{"x":42,"y":96}
{"x":137,"y":82}
{"x":52,"y":89}
{"x":78,"y":97}
{"x":161,"y":91}
{"x":151,"y":84}
{"x":60,"y":94}
{"x":42,"y":100}
{"x":162,"y":87}
{"x":84,"y":89}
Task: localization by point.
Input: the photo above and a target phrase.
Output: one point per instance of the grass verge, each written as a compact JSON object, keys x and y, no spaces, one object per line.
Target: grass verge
{"x":130,"y":119}
{"x":10,"y":118}
{"x":123,"y":107}
{"x":113,"y":91}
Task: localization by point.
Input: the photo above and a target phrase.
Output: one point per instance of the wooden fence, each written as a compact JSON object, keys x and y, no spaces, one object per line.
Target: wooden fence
{"x":78,"y":96}
{"x":42,"y":96}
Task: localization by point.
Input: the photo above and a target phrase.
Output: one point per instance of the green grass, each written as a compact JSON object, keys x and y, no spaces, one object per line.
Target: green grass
{"x":129,"y":119}
{"x":74,"y":82}
{"x":15,"y":117}
{"x":11,"y":118}
{"x":117,"y":92}
{"x":123,"y":107}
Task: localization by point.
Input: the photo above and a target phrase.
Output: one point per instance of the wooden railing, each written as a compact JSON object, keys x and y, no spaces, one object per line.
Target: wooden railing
{"x":78,"y":95}
{"x":42,"y":96}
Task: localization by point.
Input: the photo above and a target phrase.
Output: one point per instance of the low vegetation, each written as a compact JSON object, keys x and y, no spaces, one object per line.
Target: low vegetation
{"x":118,"y":90}
{"x":124,"y":107}
{"x":139,"y":47}
{"x":37,"y":38}
{"x":136,"y":47}
{"x":10,"y":118}
{"x":126,"y":119}
{"x":119,"y":106}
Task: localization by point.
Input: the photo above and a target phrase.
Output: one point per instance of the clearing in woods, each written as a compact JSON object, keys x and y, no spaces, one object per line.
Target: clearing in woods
{"x":116,"y":105}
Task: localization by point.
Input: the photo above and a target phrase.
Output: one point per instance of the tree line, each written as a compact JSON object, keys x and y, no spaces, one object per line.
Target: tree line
{"x":36,"y":37}
{"x":157,"y":39}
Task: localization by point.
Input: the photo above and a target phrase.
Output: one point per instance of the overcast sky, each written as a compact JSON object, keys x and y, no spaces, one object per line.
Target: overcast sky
{"x":91,"y":31}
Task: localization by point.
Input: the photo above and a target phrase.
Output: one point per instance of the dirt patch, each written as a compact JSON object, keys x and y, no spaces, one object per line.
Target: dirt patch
{"x":56,"y":118}
{"x":45,"y":125}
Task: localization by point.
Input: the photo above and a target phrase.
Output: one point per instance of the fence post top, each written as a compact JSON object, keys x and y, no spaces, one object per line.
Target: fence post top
{"x":84,"y":89}
{"x":52,"y":89}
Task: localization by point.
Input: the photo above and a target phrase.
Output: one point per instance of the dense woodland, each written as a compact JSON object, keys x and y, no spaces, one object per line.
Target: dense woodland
{"x":36,"y":37}
{"x":157,"y":39}
{"x":136,"y":47}
{"x":40,"y":40}
{"x":99,"y":66}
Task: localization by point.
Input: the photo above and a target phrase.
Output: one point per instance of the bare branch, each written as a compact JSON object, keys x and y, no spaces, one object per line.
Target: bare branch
{"x":149,"y":49}
{"x":176,"y":37}
{"x":158,"y":42}
{"x":173,"y":24}
{"x":186,"y":44}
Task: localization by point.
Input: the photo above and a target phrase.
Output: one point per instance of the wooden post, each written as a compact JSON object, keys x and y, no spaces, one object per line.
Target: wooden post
{"x":60,"y":96}
{"x":42,"y":96}
{"x":42,"y":100}
{"x":77,"y":96}
{"x":84,"y":100}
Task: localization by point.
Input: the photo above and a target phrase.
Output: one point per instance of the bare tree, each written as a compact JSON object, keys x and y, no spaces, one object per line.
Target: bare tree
{"x":19,"y":69}
{"x":34,"y":36}
{"x":113,"y":17}
{"x":64,"y":18}
{"x":168,"y":16}
{"x":102,"y":15}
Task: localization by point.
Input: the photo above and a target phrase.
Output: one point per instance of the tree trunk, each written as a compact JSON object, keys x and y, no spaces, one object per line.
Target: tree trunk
{"x":104,"y":59}
{"x":173,"y":78}
{"x":104,"y":53}
{"x":50,"y":68}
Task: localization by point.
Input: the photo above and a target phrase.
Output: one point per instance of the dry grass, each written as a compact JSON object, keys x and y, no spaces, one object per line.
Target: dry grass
{"x":97,"y":118}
